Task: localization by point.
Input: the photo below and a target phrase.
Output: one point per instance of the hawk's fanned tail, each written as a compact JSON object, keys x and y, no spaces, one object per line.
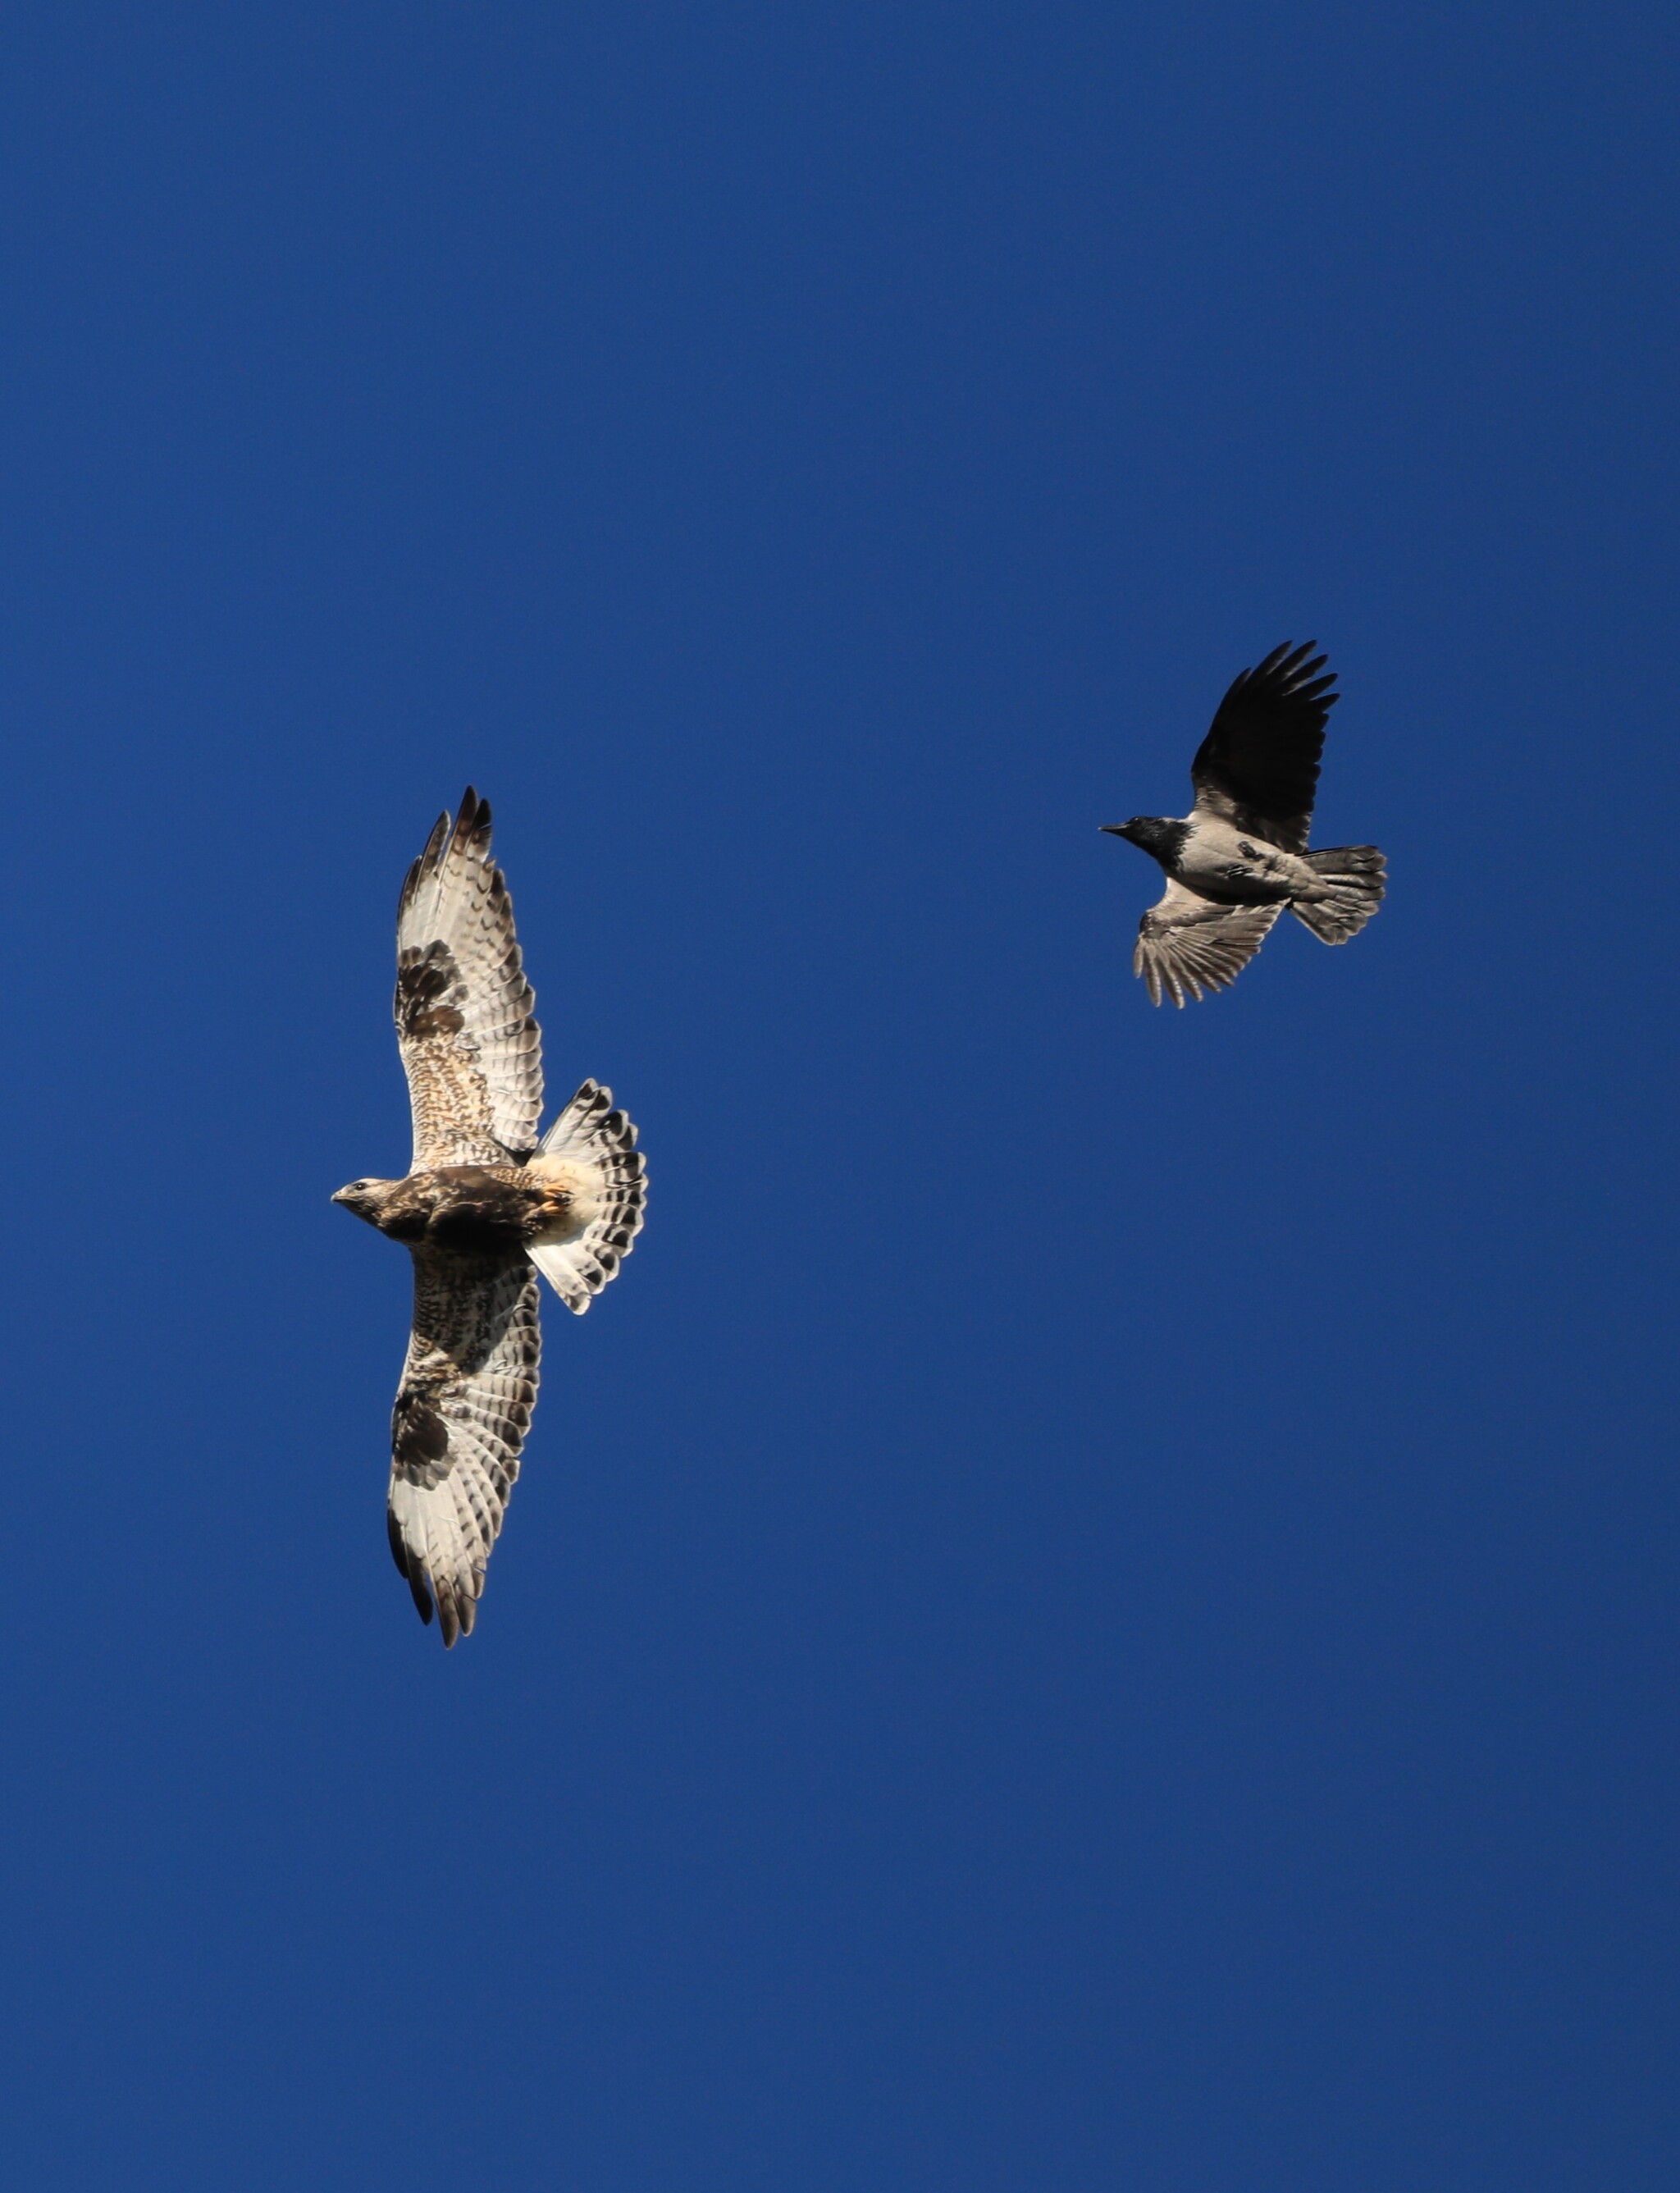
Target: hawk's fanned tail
{"x":591,"y":1149}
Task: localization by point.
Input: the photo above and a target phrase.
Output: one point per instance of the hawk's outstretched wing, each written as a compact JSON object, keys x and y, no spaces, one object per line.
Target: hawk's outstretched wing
{"x":471,"y":1047}
{"x":1188,"y":943}
{"x":1258,"y":767}
{"x":462,"y":1412}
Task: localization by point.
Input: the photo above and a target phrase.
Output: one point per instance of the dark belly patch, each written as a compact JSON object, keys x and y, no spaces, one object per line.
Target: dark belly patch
{"x":475,"y":1210}
{"x":483,"y":1228}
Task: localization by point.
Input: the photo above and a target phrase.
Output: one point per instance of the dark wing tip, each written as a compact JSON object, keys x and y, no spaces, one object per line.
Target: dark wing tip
{"x":470,"y":828}
{"x":472,"y":824}
{"x":409,"y":1569}
{"x":1289,"y":666}
{"x":426,"y":865}
{"x":456,"y":1612}
{"x":410,"y":885}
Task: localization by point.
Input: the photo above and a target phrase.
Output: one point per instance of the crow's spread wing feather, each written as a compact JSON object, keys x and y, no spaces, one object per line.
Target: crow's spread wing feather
{"x":463,"y":1409}
{"x":1258,"y":767}
{"x":1186,"y":942}
{"x":471,"y":1046}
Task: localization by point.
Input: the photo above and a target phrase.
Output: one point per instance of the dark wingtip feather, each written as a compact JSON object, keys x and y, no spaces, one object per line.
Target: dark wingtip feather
{"x":410,"y":885}
{"x":415,"y":1576}
{"x":472,"y":824}
{"x":426,"y":865}
{"x":448,"y":1622}
{"x":409,"y":1569}
{"x":471,"y":830}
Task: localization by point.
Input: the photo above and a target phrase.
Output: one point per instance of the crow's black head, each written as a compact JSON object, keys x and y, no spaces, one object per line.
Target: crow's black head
{"x":1152,"y":833}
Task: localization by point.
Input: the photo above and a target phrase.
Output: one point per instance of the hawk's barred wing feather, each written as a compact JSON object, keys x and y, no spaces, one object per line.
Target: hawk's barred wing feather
{"x":1187,"y":943}
{"x":1258,"y":767}
{"x":463,"y":1409}
{"x":470,"y":1043}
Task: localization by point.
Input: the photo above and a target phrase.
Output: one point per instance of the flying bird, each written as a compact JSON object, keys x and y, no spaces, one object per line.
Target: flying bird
{"x":485,"y":1207}
{"x":1239,"y":858}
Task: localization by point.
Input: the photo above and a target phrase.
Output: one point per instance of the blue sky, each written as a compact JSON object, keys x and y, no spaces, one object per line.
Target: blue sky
{"x":1096,"y":1608}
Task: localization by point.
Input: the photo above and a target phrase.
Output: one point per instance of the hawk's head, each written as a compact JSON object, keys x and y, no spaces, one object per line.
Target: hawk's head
{"x":366,"y":1198}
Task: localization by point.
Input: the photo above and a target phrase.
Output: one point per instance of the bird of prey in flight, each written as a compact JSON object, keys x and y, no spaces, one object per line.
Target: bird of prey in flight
{"x":484,"y":1208}
{"x":1239,"y":858}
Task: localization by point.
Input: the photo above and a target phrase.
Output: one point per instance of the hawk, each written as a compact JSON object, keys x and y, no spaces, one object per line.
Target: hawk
{"x":1239,"y":858}
{"x":484,"y":1208}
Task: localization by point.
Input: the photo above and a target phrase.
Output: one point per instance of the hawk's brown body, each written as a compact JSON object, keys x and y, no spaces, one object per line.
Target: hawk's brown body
{"x":477,"y":1208}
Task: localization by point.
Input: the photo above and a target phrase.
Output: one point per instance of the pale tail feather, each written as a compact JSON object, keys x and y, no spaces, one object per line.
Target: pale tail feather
{"x":591,"y":1149}
{"x":1356,"y":876}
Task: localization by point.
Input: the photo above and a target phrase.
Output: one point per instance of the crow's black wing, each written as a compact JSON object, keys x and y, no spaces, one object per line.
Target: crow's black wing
{"x":1258,"y":767}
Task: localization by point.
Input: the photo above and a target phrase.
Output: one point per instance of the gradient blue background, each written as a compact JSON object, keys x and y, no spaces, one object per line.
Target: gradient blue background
{"x":1097,"y":1608}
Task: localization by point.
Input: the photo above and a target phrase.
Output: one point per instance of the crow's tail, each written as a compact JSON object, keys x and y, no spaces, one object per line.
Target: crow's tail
{"x":1354,"y":877}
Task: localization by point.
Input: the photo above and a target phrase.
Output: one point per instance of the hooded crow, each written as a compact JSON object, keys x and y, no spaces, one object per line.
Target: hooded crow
{"x":1239,"y":858}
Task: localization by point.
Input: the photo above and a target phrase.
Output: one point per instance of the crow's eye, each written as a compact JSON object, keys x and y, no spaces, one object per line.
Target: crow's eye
{"x":1247,"y":851}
